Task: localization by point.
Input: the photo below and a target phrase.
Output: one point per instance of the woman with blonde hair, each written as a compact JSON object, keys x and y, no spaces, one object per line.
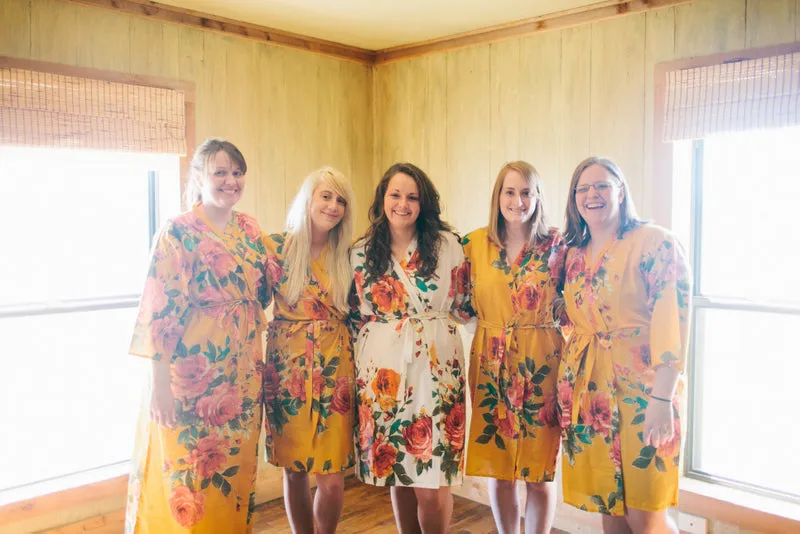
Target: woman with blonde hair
{"x":517,"y":268}
{"x":627,"y":294}
{"x":201,"y":321}
{"x":308,"y":382}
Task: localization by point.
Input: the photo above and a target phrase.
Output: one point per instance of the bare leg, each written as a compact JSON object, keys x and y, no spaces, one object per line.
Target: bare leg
{"x":540,"y":507}
{"x":404,"y":503}
{"x":642,"y":522}
{"x":434,"y":509}
{"x":505,"y":506}
{"x":328,"y":502}
{"x":615,"y":525}
{"x":297,"y":498}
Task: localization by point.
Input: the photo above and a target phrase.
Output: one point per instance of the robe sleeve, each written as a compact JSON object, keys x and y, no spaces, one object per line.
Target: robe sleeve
{"x":164,"y":305}
{"x":668,"y":285}
{"x":461,"y":281}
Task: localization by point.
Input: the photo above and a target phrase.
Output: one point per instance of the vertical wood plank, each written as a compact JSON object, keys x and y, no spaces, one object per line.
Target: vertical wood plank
{"x":705,"y":27}
{"x":270,"y":86}
{"x":190,"y":53}
{"x":618,"y":88}
{"x":540,"y":111}
{"x":659,"y":47}
{"x":357,"y":116}
{"x":575,"y":125}
{"x":15,"y":28}
{"x":154,"y":48}
{"x":435,"y":123}
{"x":108,"y":49}
{"x":53,"y":35}
{"x":236,"y":120}
{"x":504,"y":116}
{"x":468,"y":136}
{"x":770,"y":22}
{"x":302,"y":134}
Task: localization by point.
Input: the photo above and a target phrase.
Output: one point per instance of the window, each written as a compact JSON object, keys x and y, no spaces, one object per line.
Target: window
{"x":77,"y":227}
{"x":736,"y":203}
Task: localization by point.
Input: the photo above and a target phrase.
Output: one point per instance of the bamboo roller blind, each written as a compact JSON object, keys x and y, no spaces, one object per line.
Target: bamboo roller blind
{"x":54,"y":110}
{"x":741,"y":95}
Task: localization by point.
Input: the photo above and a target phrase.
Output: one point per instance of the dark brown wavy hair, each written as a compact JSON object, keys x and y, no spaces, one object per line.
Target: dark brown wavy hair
{"x":378,"y":238}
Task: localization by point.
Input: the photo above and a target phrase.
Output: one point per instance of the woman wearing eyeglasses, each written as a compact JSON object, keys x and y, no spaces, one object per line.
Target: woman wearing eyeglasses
{"x":627,"y":294}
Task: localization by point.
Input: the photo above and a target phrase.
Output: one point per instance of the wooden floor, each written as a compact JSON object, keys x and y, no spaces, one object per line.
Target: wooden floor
{"x":369,"y":509}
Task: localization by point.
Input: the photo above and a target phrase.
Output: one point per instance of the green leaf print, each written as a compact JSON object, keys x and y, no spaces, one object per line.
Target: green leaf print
{"x":525,"y":473}
{"x":488,"y":401}
{"x":234,"y":451}
{"x":299,"y":466}
{"x":660,"y":464}
{"x":225,"y":488}
{"x":217,"y":480}
{"x":648,"y":452}
{"x":402,"y":476}
{"x":183,"y":437}
{"x":229,"y":472}
{"x":638,"y":420}
{"x":642,"y":462}
{"x":205,"y":483}
{"x":309,"y":464}
{"x":499,"y":442}
{"x":483,"y":439}
{"x":327,"y":465}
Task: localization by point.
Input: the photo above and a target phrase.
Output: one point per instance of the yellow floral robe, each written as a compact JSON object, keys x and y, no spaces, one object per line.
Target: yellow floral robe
{"x":309,"y":378}
{"x":630,"y":309}
{"x":514,"y":433}
{"x":202,"y":311}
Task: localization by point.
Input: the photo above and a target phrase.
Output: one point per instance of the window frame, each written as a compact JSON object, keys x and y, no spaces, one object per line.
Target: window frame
{"x":105,"y":487}
{"x":711,"y":302}
{"x":712,"y":500}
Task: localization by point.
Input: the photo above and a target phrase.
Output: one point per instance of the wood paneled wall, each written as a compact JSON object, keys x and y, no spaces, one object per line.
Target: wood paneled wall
{"x":289,"y":111}
{"x":554,"y":98}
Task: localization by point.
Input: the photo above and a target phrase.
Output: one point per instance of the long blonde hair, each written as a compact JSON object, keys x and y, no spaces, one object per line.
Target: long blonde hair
{"x":298,"y":239}
{"x":539,"y":229}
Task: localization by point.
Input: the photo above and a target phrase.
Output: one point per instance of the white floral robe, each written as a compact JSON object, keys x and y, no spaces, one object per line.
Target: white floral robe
{"x":410,"y":369}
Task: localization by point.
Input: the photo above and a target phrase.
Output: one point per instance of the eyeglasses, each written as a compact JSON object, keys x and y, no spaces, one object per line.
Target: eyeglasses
{"x":600,"y":187}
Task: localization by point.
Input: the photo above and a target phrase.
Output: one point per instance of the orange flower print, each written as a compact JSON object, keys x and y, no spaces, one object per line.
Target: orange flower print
{"x":249,"y":225}
{"x":386,"y":383}
{"x":221,"y":406}
{"x":387,"y":294}
{"x":209,"y":455}
{"x":191,"y":377}
{"x":384,"y":456}
{"x":528,"y":297}
{"x":505,"y":421}
{"x":187,"y":506}
{"x":342,"y":395}
{"x":274,"y":270}
{"x":314,"y":309}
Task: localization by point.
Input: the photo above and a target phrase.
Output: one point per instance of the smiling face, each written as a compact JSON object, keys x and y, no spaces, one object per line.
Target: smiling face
{"x":224,"y":182}
{"x":327,"y":208}
{"x":517,"y":202}
{"x":598,"y":196}
{"x":401,"y":202}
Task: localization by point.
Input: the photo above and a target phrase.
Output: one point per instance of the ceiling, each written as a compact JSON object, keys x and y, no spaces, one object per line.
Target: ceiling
{"x":379,"y":24}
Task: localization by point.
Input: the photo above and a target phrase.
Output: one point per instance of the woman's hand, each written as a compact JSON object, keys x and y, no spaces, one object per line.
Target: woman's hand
{"x":162,"y":400}
{"x":658,"y":423}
